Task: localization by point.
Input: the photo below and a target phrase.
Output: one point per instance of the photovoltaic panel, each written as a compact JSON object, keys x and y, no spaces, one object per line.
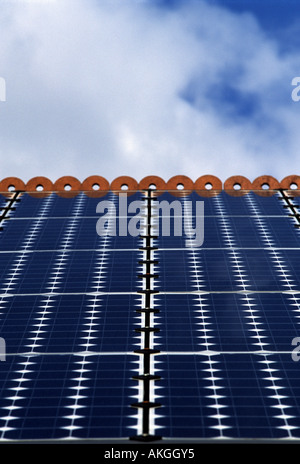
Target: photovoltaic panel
{"x":77,"y":311}
{"x":230,"y":396}
{"x":56,"y":396}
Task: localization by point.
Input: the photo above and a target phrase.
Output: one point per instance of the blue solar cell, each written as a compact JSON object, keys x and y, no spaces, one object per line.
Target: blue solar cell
{"x":235,"y":205}
{"x":47,"y":397}
{"x":222,"y":270}
{"x":232,"y":396}
{"x":69,"y":323}
{"x":69,"y":271}
{"x":267,"y":205}
{"x":58,"y":206}
{"x":227,"y":322}
{"x":52,"y":234}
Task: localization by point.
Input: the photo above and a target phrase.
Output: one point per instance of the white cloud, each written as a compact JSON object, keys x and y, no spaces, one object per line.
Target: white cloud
{"x":96,"y":87}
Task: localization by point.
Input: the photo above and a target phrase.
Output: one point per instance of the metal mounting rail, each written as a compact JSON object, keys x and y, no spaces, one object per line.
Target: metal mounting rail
{"x":147,"y":329}
{"x":10,"y":206}
{"x":289,"y":205}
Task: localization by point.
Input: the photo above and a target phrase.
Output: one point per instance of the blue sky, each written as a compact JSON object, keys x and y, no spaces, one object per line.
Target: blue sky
{"x":139,"y":87}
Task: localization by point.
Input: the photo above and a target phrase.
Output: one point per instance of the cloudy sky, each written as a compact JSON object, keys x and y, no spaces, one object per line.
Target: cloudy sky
{"x":139,"y":87}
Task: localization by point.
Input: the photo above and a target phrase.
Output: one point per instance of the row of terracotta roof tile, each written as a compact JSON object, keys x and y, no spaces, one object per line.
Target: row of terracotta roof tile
{"x":205,"y":184}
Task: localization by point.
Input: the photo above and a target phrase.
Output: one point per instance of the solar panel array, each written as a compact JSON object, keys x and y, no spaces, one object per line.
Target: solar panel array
{"x":144,"y":337}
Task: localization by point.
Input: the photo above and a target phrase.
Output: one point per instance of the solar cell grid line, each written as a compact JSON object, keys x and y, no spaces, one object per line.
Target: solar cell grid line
{"x":262,"y":341}
{"x":39,"y":330}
